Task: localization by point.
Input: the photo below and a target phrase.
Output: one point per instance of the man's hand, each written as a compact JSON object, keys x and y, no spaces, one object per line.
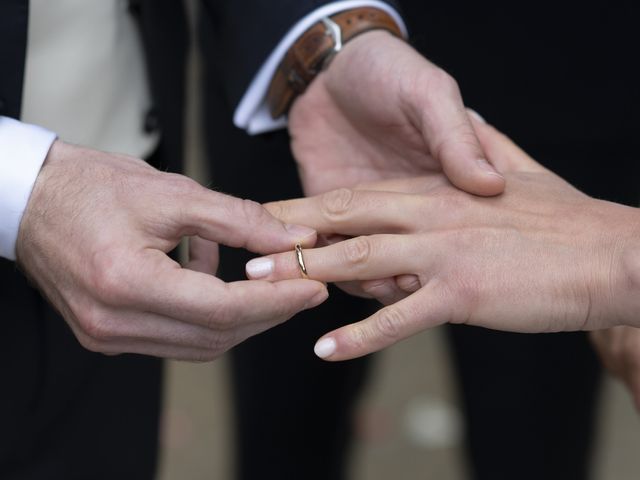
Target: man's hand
{"x":382,"y":111}
{"x":619,"y":349}
{"x":94,"y":240}
{"x":542,"y":257}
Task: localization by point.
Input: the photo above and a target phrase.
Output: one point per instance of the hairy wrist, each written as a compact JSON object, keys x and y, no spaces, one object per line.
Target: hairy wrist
{"x":32,"y":209}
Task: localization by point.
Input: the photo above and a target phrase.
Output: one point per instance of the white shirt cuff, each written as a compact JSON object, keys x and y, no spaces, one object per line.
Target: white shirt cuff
{"x":252,"y":113}
{"x":23,"y":149}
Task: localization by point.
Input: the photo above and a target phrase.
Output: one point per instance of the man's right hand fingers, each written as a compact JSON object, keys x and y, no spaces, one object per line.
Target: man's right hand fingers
{"x":234,"y":222}
{"x":155,"y":283}
{"x":205,"y":300}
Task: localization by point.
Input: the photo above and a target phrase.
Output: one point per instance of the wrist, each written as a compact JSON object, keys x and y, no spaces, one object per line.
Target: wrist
{"x":34,"y":209}
{"x":317,"y":47}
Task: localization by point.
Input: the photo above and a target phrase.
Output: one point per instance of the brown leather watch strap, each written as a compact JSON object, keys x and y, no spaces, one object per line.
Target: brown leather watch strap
{"x":309,"y":55}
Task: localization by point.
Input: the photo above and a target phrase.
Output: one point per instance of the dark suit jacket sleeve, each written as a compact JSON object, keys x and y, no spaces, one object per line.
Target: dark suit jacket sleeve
{"x":247,"y":31}
{"x":14,"y":15}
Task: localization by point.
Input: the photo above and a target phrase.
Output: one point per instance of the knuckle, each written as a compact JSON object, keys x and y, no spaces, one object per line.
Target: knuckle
{"x":357,"y":251}
{"x":99,"y":326}
{"x":337,"y":203}
{"x":180,"y":184}
{"x":91,"y":344}
{"x":220,"y":318}
{"x":109,"y":276}
{"x":205,"y":356}
{"x":388,"y":322}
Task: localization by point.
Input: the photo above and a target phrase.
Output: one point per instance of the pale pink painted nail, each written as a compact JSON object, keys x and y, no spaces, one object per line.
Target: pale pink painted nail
{"x":325,"y":348}
{"x":259,"y":267}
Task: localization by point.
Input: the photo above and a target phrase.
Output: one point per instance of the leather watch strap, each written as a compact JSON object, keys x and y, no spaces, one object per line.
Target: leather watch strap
{"x":311,"y":52}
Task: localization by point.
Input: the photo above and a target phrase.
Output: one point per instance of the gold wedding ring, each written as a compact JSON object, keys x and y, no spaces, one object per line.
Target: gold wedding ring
{"x":303,"y":267}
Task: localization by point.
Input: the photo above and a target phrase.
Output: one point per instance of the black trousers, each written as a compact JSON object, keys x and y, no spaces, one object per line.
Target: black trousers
{"x":67,"y":413}
{"x":529,"y":400}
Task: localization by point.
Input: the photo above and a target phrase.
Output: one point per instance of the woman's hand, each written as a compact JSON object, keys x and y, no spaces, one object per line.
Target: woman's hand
{"x":542,"y":257}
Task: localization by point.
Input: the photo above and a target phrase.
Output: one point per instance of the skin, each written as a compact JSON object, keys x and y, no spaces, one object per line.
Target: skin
{"x":107,"y":271}
{"x":542,"y":257}
{"x":382,"y":111}
{"x":94,"y":239}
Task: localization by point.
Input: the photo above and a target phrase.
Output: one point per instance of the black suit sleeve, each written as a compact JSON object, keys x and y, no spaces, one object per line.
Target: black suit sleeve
{"x":247,"y":31}
{"x":14,"y":15}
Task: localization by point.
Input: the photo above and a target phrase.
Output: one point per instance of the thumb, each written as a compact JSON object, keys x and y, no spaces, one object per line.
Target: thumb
{"x":449,"y":134}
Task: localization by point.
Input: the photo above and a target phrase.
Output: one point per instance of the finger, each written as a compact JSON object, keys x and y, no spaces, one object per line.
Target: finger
{"x":451,"y":139}
{"x":140,"y":346}
{"x":408,"y":283}
{"x":354,"y":289}
{"x":238,"y":223}
{"x":159,"y":285}
{"x":244,"y":303}
{"x":209,"y":346}
{"x":422,"y":310}
{"x":353,"y":212}
{"x":169,"y":352}
{"x":362,"y":258}
{"x":385,"y":290}
{"x":502,"y":151}
{"x":203,"y":256}
{"x":151,"y":327}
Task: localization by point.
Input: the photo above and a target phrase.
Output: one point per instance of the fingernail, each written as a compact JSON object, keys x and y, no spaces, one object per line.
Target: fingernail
{"x":299,"y":231}
{"x":325,"y":348}
{"x":476,"y":115}
{"x":318,"y":298}
{"x":259,"y":267}
{"x":487,"y":167}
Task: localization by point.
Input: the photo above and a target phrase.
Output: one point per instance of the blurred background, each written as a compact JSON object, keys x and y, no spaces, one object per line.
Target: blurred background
{"x":408,"y":424}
